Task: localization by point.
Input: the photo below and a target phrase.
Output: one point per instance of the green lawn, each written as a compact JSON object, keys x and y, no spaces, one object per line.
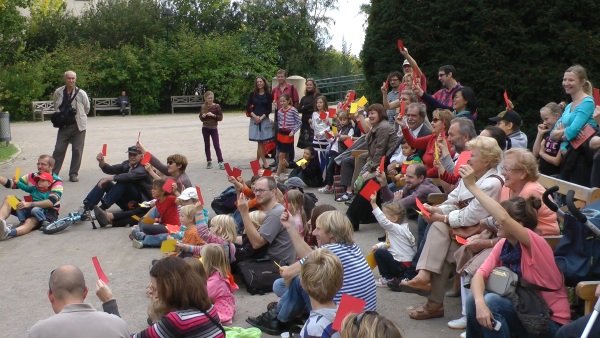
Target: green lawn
{"x":6,"y":151}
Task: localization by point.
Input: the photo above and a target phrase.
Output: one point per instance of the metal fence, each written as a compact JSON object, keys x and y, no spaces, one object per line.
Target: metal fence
{"x":335,"y":88}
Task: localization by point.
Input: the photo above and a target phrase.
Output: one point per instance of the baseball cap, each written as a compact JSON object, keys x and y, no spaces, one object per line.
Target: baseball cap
{"x":187,"y":194}
{"x":508,"y":116}
{"x":405,"y":63}
{"x":133,"y":150}
{"x":45,"y":176}
{"x":295,"y":182}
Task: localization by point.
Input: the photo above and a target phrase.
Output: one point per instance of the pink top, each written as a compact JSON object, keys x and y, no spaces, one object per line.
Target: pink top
{"x":547,"y":222}
{"x":537,"y":267}
{"x":299,"y":225}
{"x":221,"y":292}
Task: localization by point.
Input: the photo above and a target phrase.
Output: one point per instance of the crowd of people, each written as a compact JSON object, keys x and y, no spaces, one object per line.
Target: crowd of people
{"x":492,"y":216}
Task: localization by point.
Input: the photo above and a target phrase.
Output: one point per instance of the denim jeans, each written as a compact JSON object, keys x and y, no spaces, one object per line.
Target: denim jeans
{"x":279,"y":287}
{"x":293,"y":302}
{"x":388,"y":266}
{"x":503,"y":311}
{"x":111,"y":193}
{"x":154,"y":240}
{"x":330,"y":167}
{"x":36,"y":212}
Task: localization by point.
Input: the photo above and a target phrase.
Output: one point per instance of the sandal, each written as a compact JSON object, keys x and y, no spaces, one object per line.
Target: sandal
{"x":416,"y":286}
{"x":426,"y":312}
{"x":345,"y":197}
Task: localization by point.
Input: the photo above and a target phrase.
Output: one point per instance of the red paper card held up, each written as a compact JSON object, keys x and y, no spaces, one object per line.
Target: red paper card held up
{"x":328,"y":134}
{"x":506,"y":100}
{"x":168,"y":186}
{"x":267,"y":172}
{"x":199,"y":193}
{"x":27,"y":198}
{"x":323,"y":115}
{"x":402,"y":108}
{"x":173,"y":228}
{"x":372,"y":187}
{"x":463,"y":158}
{"x":400,"y":45}
{"x":332,"y":112}
{"x":255,"y":166}
{"x":460,"y":240}
{"x":422,"y":208}
{"x":349,"y":142}
{"x":146,"y":158}
{"x":352,"y":95}
{"x":348,"y":305}
{"x":237,"y":172}
{"x":99,"y":271}
{"x":104,"y":149}
{"x":382,"y":165}
{"x":596,"y":97}
{"x":228,"y":169}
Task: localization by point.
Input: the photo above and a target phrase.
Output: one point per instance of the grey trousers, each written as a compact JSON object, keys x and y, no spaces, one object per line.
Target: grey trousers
{"x":69,"y":134}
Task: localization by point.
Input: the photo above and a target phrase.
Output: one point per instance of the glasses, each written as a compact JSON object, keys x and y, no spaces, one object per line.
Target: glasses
{"x":170,"y":162}
{"x":508,"y":170}
{"x":259,"y":191}
{"x":441,"y":75}
{"x":435,"y":119}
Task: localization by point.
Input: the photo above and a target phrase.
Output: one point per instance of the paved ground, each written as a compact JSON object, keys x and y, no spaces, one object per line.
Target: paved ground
{"x":25,"y":262}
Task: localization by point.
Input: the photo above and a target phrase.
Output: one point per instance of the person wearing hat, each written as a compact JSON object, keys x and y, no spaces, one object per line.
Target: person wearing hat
{"x":408,"y":66}
{"x":510,"y":121}
{"x":38,"y":193}
{"x":127,"y":184}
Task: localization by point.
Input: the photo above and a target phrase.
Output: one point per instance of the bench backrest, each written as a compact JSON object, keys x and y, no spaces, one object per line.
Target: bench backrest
{"x":187,"y":99}
{"x":42,"y":105}
{"x":583,"y":194}
{"x":105,"y":101}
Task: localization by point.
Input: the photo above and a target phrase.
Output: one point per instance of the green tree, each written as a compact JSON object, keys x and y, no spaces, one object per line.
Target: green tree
{"x":12,"y":26}
{"x":48,"y":24}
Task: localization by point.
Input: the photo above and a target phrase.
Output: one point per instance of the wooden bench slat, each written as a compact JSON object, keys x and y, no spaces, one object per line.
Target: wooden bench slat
{"x":41,"y":108}
{"x":108,"y":103}
{"x":186,"y":101}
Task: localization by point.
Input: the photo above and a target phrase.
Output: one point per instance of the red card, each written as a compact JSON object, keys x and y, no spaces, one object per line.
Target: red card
{"x":146,"y":158}
{"x":372,"y":187}
{"x":348,"y":305}
{"x":362,"y":131}
{"x":104,"y":149}
{"x":460,"y":240}
{"x":463,"y":158}
{"x":402,"y":108}
{"x":596,"y":96}
{"x":400,"y":45}
{"x":237,"y":172}
{"x":332,"y":112}
{"x":267,"y":172}
{"x":255,"y":165}
{"x":352,"y":95}
{"x":173,"y":228}
{"x":328,"y":134}
{"x":382,"y":165}
{"x":99,"y":271}
{"x":28,"y":198}
{"x":323,"y":115}
{"x":228,"y":170}
{"x":199,"y":193}
{"x":506,"y":100}
{"x":349,"y":142}
{"x":286,"y":200}
{"x":274,"y":97}
{"x":588,"y":132}
{"x":168,"y":186}
{"x":422,"y":208}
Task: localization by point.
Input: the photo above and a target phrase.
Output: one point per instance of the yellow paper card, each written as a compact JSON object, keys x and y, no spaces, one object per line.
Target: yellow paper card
{"x":353,"y":107}
{"x":148,"y":220}
{"x":362,"y":101}
{"x":168,"y":245}
{"x":301,"y":162}
{"x":12,"y":201}
{"x":436,"y":151}
{"x":371,"y":260}
{"x":334,"y":130}
{"x":17,"y":173}
{"x":136,"y":217}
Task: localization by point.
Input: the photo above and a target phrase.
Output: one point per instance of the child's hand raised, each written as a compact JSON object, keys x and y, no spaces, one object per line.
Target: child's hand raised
{"x":242,"y":204}
{"x":199,"y":207}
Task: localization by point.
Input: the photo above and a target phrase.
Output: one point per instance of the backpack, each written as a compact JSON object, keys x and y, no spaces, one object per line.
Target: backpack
{"x":259,"y":275}
{"x":225,"y":202}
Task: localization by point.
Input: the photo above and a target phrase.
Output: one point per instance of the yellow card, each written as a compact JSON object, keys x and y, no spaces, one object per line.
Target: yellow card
{"x":353,"y":107}
{"x":148,"y":220}
{"x":136,"y":217}
{"x":301,"y":161}
{"x":436,"y":152}
{"x":17,"y":173}
{"x":362,"y":101}
{"x":334,"y":130}
{"x":168,"y":245}
{"x":371,"y":260}
{"x":12,"y":201}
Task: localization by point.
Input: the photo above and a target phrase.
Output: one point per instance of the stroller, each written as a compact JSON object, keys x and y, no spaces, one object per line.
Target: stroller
{"x":578,"y":251}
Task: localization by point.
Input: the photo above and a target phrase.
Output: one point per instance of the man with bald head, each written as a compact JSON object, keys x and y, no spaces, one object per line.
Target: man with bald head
{"x":74,"y":318}
{"x":74,"y":104}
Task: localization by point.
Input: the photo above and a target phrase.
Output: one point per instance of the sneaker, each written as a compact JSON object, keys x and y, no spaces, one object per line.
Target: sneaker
{"x":458,"y":324}
{"x":4,"y":231}
{"x":326,"y":190}
{"x":73,"y":178}
{"x":137,"y":244}
{"x":137,"y":235}
{"x":381,"y":282}
{"x":209,"y":165}
{"x":44,"y":225}
{"x":345,"y":197}
{"x":394,"y":284}
{"x":268,"y":323}
{"x":463,"y":335}
{"x":221,"y":166}
{"x":101,"y":217}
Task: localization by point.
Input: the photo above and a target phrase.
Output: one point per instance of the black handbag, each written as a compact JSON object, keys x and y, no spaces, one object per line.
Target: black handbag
{"x":59,"y":118}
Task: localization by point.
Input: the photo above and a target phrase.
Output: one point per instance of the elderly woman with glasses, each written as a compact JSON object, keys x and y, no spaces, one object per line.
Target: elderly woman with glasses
{"x":440,"y":125}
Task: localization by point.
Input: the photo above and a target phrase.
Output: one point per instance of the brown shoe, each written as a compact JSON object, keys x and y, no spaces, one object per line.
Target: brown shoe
{"x":426,"y":311}
{"x":73,"y":178}
{"x":416,"y":286}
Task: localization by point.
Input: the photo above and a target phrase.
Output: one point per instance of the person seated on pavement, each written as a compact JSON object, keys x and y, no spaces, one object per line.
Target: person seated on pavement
{"x":74,"y":318}
{"x":45,"y":164}
{"x":334,"y":232}
{"x":369,"y":324}
{"x":39,"y":192}
{"x":127,"y":185}
{"x":460,"y":212}
{"x":175,"y":167}
{"x":271,"y":232}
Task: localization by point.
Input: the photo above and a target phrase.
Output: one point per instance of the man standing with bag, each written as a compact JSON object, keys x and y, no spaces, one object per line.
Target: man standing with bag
{"x":74,"y":105}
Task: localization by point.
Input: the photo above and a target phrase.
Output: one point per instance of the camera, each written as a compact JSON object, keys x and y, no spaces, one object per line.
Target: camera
{"x":71,"y":111}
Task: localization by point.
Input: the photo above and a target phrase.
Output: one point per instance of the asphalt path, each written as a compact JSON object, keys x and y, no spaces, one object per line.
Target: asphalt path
{"x":26,"y":261}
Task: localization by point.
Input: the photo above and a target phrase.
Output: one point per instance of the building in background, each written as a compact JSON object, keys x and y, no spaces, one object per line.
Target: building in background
{"x":75,"y":6}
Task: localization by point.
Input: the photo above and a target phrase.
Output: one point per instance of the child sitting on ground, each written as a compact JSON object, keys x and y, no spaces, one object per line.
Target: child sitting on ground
{"x":321,"y":276}
{"x":39,"y":192}
{"x":190,"y":233}
{"x":164,"y":212}
{"x":220,"y":285}
{"x":296,"y":209}
{"x":309,"y":169}
{"x":243,"y":247}
{"x":395,"y":254}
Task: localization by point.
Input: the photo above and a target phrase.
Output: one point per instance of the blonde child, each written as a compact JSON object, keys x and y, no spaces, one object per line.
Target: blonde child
{"x":288,"y":122}
{"x":544,"y":148}
{"x":296,"y":209}
{"x":190,"y":234}
{"x":210,"y":115}
{"x":369,"y":324}
{"x":219,"y":284}
{"x":321,"y":276}
{"x":243,"y":246}
{"x":395,"y":254}
{"x":345,"y":131}
{"x":320,"y":127}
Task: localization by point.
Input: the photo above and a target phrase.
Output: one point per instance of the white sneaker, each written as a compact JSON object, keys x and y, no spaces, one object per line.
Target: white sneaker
{"x":458,"y":324}
{"x":4,"y":230}
{"x":463,"y":335}
{"x":326,"y":190}
{"x":381,"y":282}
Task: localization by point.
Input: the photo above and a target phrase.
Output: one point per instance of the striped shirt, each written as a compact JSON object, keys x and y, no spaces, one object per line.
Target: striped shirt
{"x":445,"y":96}
{"x":359,"y":281}
{"x":56,"y":188}
{"x":289,"y":119}
{"x":183,"y":324}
